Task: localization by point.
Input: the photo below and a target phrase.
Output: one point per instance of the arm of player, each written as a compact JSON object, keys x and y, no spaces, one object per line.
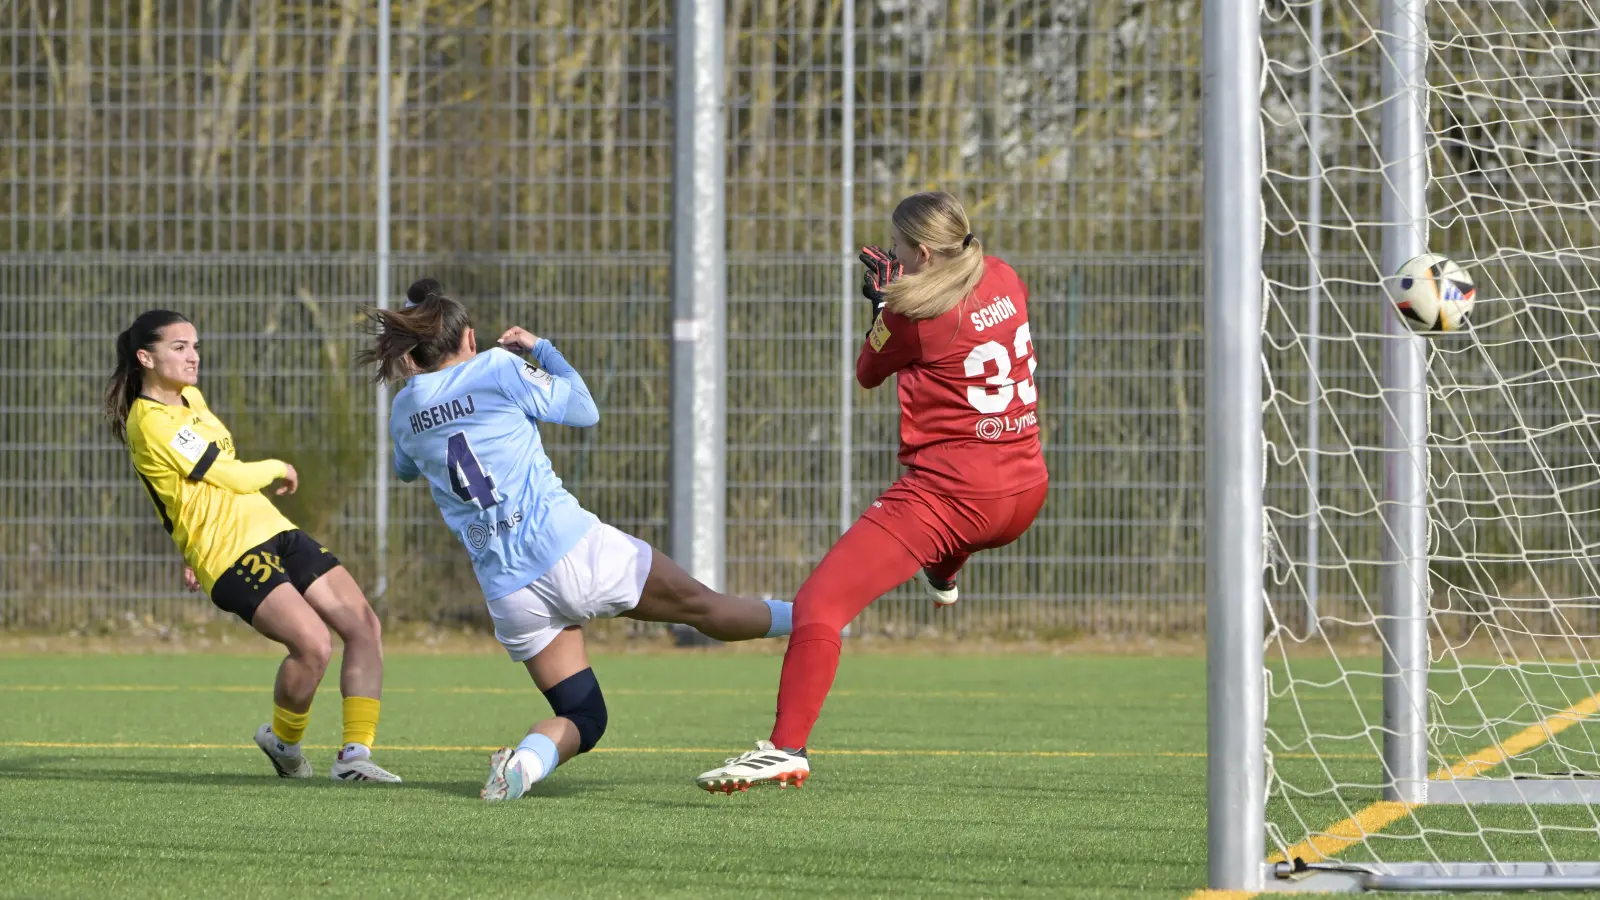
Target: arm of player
{"x":405,"y":468}
{"x":548,"y":389}
{"x":581,"y":411}
{"x":200,"y":460}
{"x":241,"y":477}
{"x":891,"y":345}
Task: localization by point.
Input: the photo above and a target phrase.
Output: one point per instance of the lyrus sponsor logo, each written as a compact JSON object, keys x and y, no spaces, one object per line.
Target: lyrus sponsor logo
{"x":993,"y":428}
{"x":479,"y":533}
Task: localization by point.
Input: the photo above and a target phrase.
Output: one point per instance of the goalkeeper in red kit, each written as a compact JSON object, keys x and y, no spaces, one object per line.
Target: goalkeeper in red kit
{"x":953,"y":324}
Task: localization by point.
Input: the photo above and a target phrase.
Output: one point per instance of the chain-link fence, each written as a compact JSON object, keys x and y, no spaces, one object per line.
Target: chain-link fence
{"x":218,"y":157}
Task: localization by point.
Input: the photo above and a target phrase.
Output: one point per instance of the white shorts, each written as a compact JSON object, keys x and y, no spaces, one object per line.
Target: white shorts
{"x":600,"y":578}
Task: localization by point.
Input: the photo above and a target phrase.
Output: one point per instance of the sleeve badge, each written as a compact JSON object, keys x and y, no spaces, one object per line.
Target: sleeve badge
{"x":538,"y":376}
{"x":189,"y":445}
{"x":879,"y":335}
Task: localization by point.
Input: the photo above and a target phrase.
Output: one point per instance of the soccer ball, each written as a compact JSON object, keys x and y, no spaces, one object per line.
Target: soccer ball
{"x":1432,"y":293}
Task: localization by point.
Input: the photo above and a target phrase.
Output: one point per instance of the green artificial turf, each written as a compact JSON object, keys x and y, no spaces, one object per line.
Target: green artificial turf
{"x":134,"y":776}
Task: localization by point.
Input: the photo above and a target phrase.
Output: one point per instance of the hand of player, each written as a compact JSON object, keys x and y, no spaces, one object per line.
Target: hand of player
{"x":518,"y":340}
{"x":190,"y":583}
{"x":881,"y":270}
{"x":289,"y":482}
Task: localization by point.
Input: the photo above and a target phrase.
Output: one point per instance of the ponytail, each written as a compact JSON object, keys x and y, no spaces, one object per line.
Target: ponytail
{"x":936,"y":220}
{"x":127,"y":379}
{"x":416,"y":338}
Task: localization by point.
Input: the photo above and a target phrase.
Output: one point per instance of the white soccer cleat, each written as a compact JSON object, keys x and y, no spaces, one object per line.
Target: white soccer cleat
{"x":287,"y":759}
{"x":943,"y":595}
{"x":508,"y":779}
{"x":359,"y":769}
{"x":765,"y":764}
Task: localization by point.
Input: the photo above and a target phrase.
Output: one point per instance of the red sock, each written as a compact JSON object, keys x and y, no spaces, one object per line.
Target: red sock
{"x":866,"y":563}
{"x":945,"y":570}
{"x":808,"y":669}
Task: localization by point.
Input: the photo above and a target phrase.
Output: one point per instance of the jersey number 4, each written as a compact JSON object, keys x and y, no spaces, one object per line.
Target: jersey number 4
{"x":993,"y":402}
{"x":467,"y":477}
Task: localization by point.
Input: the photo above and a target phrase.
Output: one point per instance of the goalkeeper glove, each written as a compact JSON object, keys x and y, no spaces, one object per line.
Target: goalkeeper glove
{"x":881,"y":270}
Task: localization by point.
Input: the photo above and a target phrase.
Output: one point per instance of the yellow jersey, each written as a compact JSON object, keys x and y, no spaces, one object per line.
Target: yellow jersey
{"x":209,"y":501}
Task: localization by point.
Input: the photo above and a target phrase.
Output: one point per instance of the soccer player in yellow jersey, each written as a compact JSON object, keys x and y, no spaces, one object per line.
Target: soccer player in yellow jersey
{"x":240,"y":550}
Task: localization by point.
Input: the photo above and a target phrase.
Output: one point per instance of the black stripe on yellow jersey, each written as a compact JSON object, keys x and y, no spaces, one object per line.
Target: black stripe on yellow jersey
{"x":208,"y":500}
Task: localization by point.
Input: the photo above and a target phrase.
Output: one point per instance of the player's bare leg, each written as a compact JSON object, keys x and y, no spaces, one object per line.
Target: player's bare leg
{"x":673,"y":595}
{"x":285,"y":617}
{"x":339,"y":602}
{"x":550,"y":742}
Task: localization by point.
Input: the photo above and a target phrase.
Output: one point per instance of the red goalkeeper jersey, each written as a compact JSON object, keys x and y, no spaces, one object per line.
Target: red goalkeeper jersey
{"x":969,"y":422}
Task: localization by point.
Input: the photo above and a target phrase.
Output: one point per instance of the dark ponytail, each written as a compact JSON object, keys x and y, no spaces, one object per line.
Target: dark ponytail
{"x":427,"y":332}
{"x":128,"y":377}
{"x":420,"y":289}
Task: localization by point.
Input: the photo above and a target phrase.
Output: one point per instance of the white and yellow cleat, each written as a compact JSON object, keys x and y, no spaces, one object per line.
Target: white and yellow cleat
{"x":765,"y":764}
{"x":943,"y":594}
{"x":352,"y":767}
{"x":286,"y":758}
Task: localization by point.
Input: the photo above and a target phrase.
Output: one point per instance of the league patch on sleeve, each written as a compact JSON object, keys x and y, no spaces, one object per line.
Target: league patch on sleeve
{"x":189,"y":445}
{"x":879,"y":335}
{"x":538,"y":376}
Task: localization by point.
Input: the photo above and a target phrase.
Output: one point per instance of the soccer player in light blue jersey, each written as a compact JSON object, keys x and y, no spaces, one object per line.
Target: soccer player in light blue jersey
{"x":465,"y":421}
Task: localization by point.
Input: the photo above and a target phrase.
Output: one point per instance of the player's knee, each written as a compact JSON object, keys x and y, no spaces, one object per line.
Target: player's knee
{"x":578,"y":700}
{"x":811,"y":611}
{"x":826,"y":632}
{"x":314,"y":649}
{"x":368,"y":626}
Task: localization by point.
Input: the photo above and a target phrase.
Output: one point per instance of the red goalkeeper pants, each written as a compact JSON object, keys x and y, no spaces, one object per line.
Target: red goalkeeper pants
{"x":905,"y":529}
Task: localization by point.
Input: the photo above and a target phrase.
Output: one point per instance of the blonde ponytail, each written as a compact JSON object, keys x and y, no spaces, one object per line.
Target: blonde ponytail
{"x":935,"y":220}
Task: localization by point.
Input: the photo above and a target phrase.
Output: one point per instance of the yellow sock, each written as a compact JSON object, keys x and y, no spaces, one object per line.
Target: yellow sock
{"x":360,"y":720}
{"x":290,"y":727}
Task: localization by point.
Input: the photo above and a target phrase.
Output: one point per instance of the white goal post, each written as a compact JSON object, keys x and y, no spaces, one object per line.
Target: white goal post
{"x":1402,"y":532}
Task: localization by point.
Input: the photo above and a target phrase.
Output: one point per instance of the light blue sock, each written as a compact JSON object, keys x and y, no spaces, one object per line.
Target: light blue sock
{"x":543,"y":748}
{"x":782,"y":617}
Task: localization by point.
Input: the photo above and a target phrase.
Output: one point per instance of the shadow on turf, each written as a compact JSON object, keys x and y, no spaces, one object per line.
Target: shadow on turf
{"x":57,"y":768}
{"x":52,"y":769}
{"x":471,"y":789}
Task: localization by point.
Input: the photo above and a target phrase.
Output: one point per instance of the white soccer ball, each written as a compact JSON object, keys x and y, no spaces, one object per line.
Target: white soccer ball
{"x":1433,"y":293}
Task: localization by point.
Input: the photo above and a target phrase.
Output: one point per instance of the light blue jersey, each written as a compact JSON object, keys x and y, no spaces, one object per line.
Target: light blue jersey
{"x":469,"y":429}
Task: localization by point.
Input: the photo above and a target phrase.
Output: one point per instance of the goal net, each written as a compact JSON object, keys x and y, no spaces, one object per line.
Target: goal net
{"x":1432,"y":504}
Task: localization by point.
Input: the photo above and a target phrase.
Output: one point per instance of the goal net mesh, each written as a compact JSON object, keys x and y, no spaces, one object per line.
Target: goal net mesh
{"x":1513,"y":486}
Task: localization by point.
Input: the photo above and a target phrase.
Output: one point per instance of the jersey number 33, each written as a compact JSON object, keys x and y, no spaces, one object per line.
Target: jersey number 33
{"x":994,"y":361}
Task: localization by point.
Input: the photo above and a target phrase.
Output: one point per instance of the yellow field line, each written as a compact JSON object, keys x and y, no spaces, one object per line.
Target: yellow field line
{"x":1383,"y":813}
{"x":434,"y":748}
{"x":626,"y":692}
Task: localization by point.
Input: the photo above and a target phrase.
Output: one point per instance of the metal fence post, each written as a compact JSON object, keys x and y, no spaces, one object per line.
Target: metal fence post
{"x":381,"y":396}
{"x":847,"y":238}
{"x":699,"y":288}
